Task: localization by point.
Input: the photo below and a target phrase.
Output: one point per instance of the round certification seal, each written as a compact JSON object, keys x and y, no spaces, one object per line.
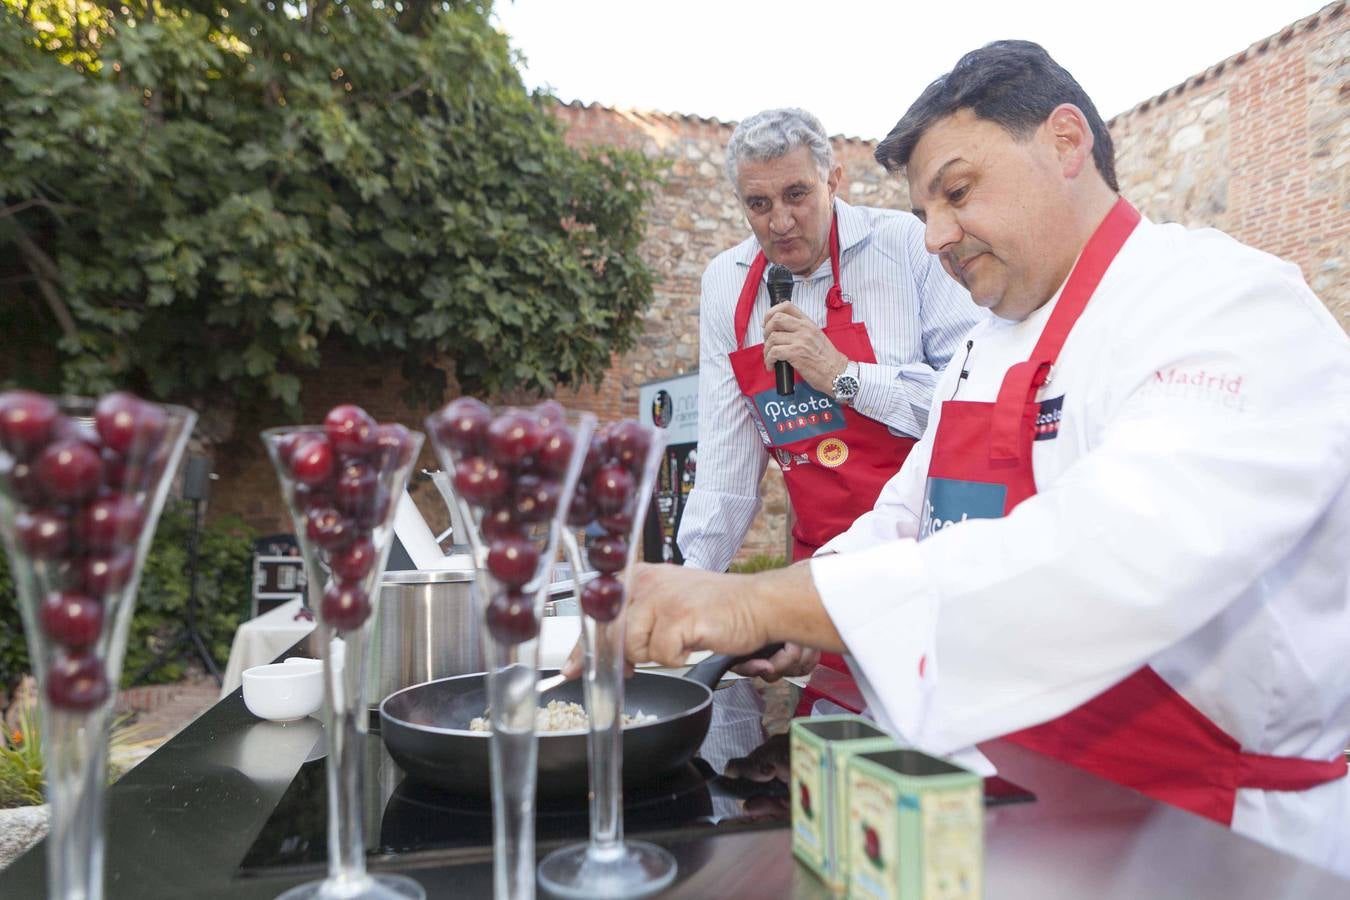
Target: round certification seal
{"x":831,"y":452}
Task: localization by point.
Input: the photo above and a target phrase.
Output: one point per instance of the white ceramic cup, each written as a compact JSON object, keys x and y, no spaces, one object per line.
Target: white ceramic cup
{"x":283,"y":692}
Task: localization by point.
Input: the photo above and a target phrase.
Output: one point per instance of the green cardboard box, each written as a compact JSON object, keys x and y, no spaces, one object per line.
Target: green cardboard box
{"x":916,"y":828}
{"x":820,"y":746}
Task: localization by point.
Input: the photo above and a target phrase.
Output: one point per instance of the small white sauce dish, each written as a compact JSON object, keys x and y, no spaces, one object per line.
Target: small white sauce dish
{"x":283,"y":692}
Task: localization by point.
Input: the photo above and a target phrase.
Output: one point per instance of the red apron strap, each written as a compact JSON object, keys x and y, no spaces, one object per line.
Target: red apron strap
{"x":1008,"y":425}
{"x":837,"y":312}
{"x":1283,"y":773}
{"x":745,"y":304}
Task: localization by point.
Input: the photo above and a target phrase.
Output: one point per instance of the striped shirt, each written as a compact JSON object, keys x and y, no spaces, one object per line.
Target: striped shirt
{"x":915,"y":316}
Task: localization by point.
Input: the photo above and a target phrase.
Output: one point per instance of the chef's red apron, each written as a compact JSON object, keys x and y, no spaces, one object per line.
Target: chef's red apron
{"x":835,"y":461}
{"x":1140,"y":733}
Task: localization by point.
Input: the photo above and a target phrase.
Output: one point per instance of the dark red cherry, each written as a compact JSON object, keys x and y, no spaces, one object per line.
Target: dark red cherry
{"x":611,"y":488}
{"x":68,"y":429}
{"x":513,"y":437}
{"x":69,"y":470}
{"x":605,"y":433}
{"x":513,"y":560}
{"x":629,"y":442}
{"x":103,"y":574}
{"x":501,"y":522}
{"x":344,"y":606}
{"x":609,"y":553}
{"x":618,"y":523}
{"x":26,"y":420}
{"x":43,"y":533}
{"x":393,"y":446}
{"x":312,"y":461}
{"x":602,"y":598}
{"x":328,"y":528}
{"x":110,"y":523}
{"x":72,"y":620}
{"x":582,"y":511}
{"x":306,"y":497}
{"x":462,"y":425}
{"x":510,"y":617}
{"x":481,"y":481}
{"x":536,"y":498}
{"x":377,"y":511}
{"x":555,"y":450}
{"x":288,"y":443}
{"x":350,"y":431}
{"x":595,"y":457}
{"x":129,"y":425}
{"x":77,"y":682}
{"x":22,"y":484}
{"x":549,"y":414}
{"x":357,"y":485}
{"x":354,"y":561}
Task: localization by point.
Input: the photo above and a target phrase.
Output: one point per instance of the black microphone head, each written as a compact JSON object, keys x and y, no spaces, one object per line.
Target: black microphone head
{"x":780,"y":284}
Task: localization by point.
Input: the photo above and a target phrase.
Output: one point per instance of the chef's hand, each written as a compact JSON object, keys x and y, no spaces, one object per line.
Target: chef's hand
{"x":793,"y":659}
{"x":792,"y":337}
{"x":676,"y":611}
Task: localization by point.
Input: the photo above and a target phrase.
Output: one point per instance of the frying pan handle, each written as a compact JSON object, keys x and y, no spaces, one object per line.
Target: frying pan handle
{"x":709,"y":672}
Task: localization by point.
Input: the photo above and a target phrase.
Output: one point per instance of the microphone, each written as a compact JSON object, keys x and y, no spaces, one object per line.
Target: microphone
{"x":780,"y":291}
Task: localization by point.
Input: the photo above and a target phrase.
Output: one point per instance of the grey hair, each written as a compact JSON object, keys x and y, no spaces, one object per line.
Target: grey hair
{"x":775,"y":133}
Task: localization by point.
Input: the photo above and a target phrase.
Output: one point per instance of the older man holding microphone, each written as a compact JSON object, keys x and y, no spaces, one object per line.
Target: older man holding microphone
{"x":821,"y":335}
{"x":1123,"y":540}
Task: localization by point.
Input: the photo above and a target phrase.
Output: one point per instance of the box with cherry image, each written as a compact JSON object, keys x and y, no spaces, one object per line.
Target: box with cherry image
{"x":820,"y":747}
{"x":914,"y":826}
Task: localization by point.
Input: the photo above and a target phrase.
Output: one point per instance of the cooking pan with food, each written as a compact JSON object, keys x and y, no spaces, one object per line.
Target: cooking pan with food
{"x":426,"y":729}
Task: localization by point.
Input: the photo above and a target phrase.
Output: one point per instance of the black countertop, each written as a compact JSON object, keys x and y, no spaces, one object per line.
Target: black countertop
{"x":184,"y":822}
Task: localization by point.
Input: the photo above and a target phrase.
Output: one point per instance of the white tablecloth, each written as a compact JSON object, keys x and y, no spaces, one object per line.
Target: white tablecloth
{"x":259,"y":641}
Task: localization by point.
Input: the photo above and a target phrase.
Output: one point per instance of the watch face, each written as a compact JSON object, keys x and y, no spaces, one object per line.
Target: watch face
{"x":845,"y":387}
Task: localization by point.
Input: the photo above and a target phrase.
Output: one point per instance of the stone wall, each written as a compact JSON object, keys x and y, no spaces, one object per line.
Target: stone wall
{"x":1256,"y":145}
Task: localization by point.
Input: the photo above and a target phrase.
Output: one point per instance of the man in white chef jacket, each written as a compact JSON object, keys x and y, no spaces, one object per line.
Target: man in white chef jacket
{"x":1124,"y":539}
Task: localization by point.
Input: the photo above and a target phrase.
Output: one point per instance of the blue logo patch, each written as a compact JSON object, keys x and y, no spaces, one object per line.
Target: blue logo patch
{"x":806,"y":414}
{"x":947,"y":501}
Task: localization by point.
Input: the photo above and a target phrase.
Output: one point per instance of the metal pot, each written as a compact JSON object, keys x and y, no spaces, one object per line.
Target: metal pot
{"x":425,"y":629}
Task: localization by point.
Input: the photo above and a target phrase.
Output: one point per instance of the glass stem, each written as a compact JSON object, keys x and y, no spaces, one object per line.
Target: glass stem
{"x":604,"y":701}
{"x":347,"y":726}
{"x":76,"y":751}
{"x":514,"y":749}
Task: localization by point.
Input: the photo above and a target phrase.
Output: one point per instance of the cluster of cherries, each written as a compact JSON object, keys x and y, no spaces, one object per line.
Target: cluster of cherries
{"x":79,"y":495}
{"x":510,"y":467}
{"x":606,"y":497}
{"x":337,"y":482}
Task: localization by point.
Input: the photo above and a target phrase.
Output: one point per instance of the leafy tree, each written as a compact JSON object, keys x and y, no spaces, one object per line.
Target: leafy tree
{"x":205,"y":200}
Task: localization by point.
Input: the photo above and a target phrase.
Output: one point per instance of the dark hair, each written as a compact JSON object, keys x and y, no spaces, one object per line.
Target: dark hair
{"x":1012,"y":83}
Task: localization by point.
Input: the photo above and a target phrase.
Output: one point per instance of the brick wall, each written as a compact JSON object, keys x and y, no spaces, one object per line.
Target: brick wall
{"x":1256,"y":145}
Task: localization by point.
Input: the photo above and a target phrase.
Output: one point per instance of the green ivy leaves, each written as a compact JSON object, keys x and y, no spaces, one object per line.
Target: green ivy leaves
{"x":230,"y":194}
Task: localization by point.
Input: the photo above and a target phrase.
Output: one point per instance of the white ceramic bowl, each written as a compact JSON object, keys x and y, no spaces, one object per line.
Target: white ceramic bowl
{"x":283,"y":693}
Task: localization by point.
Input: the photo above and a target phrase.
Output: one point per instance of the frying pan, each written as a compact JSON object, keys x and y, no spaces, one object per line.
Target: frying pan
{"x":426,"y":730}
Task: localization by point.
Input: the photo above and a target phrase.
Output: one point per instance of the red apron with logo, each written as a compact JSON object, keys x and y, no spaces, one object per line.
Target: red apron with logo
{"x":835,"y":460}
{"x":1140,"y":733}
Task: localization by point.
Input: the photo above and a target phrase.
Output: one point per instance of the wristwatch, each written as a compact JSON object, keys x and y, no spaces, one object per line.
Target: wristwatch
{"x":845,"y":384}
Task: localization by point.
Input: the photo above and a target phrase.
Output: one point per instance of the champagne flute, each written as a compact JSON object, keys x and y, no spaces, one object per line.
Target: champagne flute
{"x":341,"y":482}
{"x":622,"y":466}
{"x":82,"y":484}
{"x":514,"y":471}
